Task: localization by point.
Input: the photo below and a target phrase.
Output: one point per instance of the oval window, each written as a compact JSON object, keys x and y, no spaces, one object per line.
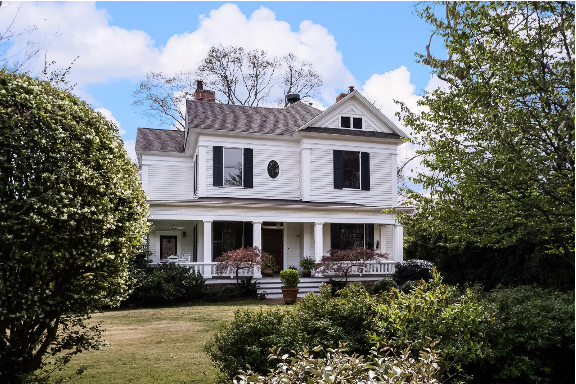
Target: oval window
{"x":273,"y":169}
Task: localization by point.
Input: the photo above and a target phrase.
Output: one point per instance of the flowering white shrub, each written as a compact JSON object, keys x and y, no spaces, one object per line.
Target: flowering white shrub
{"x":338,"y":367}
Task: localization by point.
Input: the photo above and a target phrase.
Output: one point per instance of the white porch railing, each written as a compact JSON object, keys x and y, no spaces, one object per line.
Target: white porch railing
{"x":208,"y":269}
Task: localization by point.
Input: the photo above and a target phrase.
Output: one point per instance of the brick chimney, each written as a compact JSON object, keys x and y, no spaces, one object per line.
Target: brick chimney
{"x":202,"y":94}
{"x":343,"y":95}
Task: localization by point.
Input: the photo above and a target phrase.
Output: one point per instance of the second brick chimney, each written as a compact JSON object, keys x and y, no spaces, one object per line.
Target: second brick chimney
{"x":343,"y":95}
{"x":202,"y":94}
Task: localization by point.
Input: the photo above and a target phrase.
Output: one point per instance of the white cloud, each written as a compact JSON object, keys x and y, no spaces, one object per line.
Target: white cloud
{"x":109,"y":52}
{"x":77,"y":29}
{"x":108,"y":115}
{"x":227,"y":25}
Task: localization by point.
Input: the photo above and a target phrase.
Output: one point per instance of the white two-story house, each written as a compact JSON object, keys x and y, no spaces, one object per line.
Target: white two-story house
{"x":294,"y":181}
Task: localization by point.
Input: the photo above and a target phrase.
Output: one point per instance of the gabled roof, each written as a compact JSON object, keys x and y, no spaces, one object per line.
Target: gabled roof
{"x":160,"y":140}
{"x":365,"y":101}
{"x":240,"y":118}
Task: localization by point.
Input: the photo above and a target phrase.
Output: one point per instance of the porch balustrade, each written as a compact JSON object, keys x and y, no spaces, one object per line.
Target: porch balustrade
{"x":208,"y":269}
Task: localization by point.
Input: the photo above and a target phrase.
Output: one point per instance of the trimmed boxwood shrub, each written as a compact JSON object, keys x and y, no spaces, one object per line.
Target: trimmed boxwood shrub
{"x":412,"y":270}
{"x":383,"y":285}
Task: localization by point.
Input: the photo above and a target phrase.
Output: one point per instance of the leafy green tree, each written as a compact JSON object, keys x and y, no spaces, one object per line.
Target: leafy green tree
{"x":73,"y":214}
{"x":498,"y":138}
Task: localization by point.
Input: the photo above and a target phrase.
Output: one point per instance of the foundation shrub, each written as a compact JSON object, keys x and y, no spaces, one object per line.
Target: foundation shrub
{"x":435,"y":312}
{"x":412,"y":270}
{"x":383,"y":285}
{"x":168,"y":284}
{"x":533,"y":337}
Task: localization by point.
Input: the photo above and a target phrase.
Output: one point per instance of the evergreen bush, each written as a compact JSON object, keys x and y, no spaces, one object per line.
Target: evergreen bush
{"x":168,"y":284}
{"x":383,"y":285}
{"x":412,"y":270}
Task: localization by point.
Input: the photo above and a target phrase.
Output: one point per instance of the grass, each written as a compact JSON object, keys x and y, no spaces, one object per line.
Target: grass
{"x":159,"y":345}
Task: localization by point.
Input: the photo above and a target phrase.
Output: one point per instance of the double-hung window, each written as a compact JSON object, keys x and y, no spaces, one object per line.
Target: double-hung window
{"x":351,"y":170}
{"x":232,"y":167}
{"x":350,"y":122}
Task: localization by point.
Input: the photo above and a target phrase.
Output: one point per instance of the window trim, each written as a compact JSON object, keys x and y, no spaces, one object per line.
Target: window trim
{"x":364,"y":234}
{"x":224,"y":185}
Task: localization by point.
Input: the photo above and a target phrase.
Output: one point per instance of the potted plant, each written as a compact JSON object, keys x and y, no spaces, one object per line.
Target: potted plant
{"x":307,"y":264}
{"x":270,"y":267}
{"x":290,"y":281}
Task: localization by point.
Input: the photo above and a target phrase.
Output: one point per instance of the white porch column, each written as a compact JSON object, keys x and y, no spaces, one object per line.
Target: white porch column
{"x":257,"y":234}
{"x":383,"y":245}
{"x":306,"y":239}
{"x":318,"y":242}
{"x":207,"y":248}
{"x":257,"y":242}
{"x":202,"y":171}
{"x":398,"y":242}
{"x":306,"y":174}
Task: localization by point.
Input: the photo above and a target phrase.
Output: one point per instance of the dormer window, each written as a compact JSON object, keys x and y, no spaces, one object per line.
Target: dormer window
{"x":350,"y":122}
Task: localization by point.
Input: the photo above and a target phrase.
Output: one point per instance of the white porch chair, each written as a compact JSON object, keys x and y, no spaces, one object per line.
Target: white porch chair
{"x":185,"y":258}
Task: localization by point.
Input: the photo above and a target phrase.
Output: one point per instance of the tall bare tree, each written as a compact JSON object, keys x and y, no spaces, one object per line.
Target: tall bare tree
{"x":18,"y":59}
{"x":298,"y":76}
{"x":162,"y":98}
{"x":242,"y":77}
{"x":238,"y":76}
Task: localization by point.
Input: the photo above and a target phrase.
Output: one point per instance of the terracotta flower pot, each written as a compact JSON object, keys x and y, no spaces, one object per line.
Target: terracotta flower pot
{"x":290,"y":295}
{"x":306,"y":273}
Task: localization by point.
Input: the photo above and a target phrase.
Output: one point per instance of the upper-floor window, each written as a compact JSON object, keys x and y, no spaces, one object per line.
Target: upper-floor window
{"x":350,"y":122}
{"x":351,"y":170}
{"x":232,"y":166}
{"x":351,"y":165}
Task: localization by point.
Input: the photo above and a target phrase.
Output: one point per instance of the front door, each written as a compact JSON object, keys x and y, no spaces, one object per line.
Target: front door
{"x":167,"y":246}
{"x":273,"y":243}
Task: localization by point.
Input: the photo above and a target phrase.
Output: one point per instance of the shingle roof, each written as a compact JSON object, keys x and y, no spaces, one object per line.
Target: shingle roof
{"x":240,"y":118}
{"x":162,"y":140}
{"x":350,"y":132}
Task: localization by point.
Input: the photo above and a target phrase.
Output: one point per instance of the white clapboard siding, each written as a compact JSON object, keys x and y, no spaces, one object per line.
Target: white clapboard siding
{"x":322,"y":181}
{"x":286,"y":186}
{"x":170,"y":181}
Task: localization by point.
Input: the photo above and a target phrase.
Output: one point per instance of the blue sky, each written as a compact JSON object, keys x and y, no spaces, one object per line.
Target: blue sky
{"x":370,"y":45}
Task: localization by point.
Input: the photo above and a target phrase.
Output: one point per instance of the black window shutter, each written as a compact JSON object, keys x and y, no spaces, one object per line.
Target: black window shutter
{"x":369,"y":233}
{"x":334,"y":235}
{"x":218,"y":167}
{"x":338,"y":170}
{"x":216,"y":239}
{"x":248,"y":167}
{"x":248,"y":231}
{"x":365,"y":166}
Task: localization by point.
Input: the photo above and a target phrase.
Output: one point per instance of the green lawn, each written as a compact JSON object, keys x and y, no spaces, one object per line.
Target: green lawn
{"x":160,"y":345}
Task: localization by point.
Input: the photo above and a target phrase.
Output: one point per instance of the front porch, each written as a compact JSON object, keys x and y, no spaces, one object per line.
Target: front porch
{"x":196,"y":232}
